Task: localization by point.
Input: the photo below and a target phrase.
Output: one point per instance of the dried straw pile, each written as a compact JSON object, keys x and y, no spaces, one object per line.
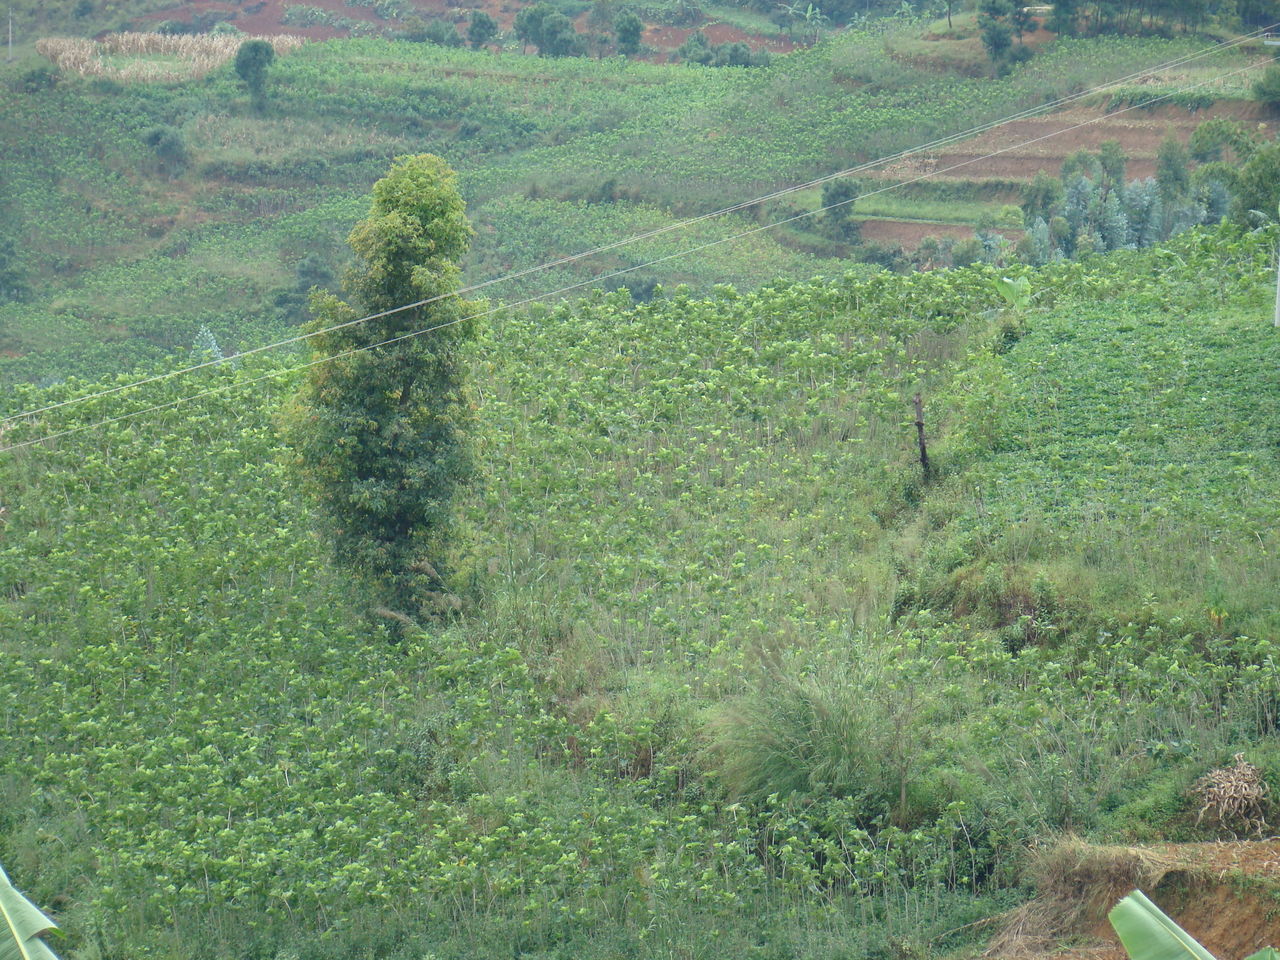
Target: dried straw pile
{"x":120,"y":56}
{"x":1234,"y":796}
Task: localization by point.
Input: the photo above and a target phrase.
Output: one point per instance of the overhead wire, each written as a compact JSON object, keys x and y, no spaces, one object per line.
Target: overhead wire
{"x":667,"y":228}
{"x":275,"y":374}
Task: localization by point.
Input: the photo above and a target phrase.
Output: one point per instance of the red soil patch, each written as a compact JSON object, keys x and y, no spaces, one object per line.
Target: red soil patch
{"x":728,"y":33}
{"x":908,"y":234}
{"x":1024,"y":147}
{"x":1223,"y":894}
{"x":669,"y":38}
{"x":267,"y":19}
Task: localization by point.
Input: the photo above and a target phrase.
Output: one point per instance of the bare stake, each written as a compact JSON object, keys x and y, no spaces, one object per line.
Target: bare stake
{"x":925,"y":468}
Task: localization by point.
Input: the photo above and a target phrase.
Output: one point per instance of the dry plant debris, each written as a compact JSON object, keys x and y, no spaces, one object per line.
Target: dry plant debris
{"x":1234,"y":796}
{"x":197,"y":54}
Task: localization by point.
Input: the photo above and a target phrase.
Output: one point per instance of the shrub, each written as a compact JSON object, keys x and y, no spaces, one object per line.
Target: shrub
{"x":1267,"y":87}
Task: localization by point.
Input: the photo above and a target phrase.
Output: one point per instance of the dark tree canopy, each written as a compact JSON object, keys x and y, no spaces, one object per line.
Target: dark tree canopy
{"x":380,"y":431}
{"x":838,"y":197}
{"x":482,"y":29}
{"x":549,"y":30}
{"x":1258,"y":187}
{"x":629,"y":28}
{"x":252,"y":60}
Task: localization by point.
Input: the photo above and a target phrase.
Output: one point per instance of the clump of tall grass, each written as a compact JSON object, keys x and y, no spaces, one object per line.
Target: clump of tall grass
{"x":873,"y":725}
{"x":197,"y":54}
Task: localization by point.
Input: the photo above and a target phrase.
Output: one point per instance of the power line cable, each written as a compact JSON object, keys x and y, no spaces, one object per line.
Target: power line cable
{"x":575,"y":286}
{"x":733,"y":208}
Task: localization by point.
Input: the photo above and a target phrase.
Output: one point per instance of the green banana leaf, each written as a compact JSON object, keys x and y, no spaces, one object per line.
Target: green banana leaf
{"x":1017,"y":293}
{"x":1266,"y":953}
{"x":23,"y":924}
{"x":1148,"y":934}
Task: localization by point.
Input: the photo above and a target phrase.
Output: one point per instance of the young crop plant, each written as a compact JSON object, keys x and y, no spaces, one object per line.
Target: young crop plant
{"x":379,"y":429}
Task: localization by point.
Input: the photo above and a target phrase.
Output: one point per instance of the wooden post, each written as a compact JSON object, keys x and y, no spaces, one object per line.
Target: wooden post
{"x":1277,"y":318}
{"x":924,"y":448}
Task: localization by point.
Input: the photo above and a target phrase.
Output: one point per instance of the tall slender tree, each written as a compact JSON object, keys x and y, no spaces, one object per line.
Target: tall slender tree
{"x":380,"y":429}
{"x":252,"y":60}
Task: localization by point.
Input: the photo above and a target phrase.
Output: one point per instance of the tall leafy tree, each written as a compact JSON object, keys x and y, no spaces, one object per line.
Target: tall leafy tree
{"x":1113,"y":161}
{"x":1258,"y":187}
{"x":549,"y":30}
{"x":995,"y":29}
{"x":380,"y":430}
{"x":838,"y":198}
{"x":1172,"y":169}
{"x":252,"y":60}
{"x":1065,"y":17}
{"x":1041,"y":196}
{"x":629,"y":27}
{"x":482,"y":29}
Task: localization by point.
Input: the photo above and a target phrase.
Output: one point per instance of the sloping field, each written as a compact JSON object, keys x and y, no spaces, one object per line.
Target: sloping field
{"x":1025,"y":147}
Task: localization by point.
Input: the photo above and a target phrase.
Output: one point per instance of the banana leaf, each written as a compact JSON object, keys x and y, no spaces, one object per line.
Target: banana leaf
{"x":1148,"y":934}
{"x":23,"y":924}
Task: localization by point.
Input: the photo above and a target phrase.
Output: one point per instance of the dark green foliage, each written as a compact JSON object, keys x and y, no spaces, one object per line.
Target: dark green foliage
{"x":1113,"y":161}
{"x":1267,"y":87}
{"x":696,"y":49}
{"x":169,"y":146}
{"x":1173,"y":174}
{"x":482,"y":29}
{"x":380,"y":433}
{"x":1210,"y":140}
{"x":1065,"y":17}
{"x":997,"y":38}
{"x":1022,"y":20}
{"x":38,"y":78}
{"x":838,"y":198}
{"x":549,"y":30}
{"x":440,"y":32}
{"x":1258,"y":13}
{"x":1041,"y":196}
{"x":1258,"y":188}
{"x":252,"y":61}
{"x":13,"y":284}
{"x":629,"y":28}
{"x":312,"y":272}
{"x":1081,"y":163}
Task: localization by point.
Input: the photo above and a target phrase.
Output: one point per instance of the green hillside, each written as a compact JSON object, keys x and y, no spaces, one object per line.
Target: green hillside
{"x":730,"y":679}
{"x":146,"y":210}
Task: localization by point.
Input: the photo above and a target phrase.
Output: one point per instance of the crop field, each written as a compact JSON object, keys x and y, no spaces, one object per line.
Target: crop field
{"x":798,"y":604}
{"x":127,"y":253}
{"x":701,"y":562}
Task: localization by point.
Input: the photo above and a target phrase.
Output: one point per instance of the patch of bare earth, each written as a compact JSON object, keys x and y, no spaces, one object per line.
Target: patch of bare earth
{"x":909,"y":233}
{"x":1220,"y":893}
{"x":265,"y":18}
{"x":1020,"y":149}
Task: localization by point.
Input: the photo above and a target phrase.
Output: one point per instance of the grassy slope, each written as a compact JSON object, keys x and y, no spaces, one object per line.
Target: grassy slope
{"x":127,"y":261}
{"x":693,"y":511}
